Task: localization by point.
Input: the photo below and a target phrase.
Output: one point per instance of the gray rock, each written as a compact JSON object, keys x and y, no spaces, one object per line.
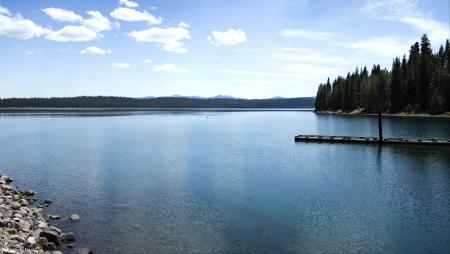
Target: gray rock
{"x":50,"y":235}
{"x":29,"y":192}
{"x":6,"y":187}
{"x":31,"y":242}
{"x":8,"y":251}
{"x":53,"y":216}
{"x":24,"y":202}
{"x":48,"y":201}
{"x":67,"y":237}
{"x":74,"y":217}
{"x":24,"y":226}
{"x":53,"y":228}
{"x":15,"y":206}
{"x":49,"y":246}
{"x":42,"y":241}
{"x":7,"y":179}
{"x":4,"y":223}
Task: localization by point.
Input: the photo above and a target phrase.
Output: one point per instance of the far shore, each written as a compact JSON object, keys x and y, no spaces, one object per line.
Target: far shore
{"x":403,"y":114}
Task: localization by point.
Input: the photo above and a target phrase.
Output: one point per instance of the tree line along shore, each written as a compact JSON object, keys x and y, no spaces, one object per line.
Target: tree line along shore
{"x":158,"y":102}
{"x":417,"y":84}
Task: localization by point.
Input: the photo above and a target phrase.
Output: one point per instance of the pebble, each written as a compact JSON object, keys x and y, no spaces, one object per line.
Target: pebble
{"x":24,"y":230}
{"x":53,"y":216}
{"x":74,"y":217}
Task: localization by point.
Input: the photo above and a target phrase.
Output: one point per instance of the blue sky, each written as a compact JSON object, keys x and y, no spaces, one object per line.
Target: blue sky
{"x":252,"y":48}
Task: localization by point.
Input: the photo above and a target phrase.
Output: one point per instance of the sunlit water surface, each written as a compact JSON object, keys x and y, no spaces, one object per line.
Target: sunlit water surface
{"x":233,"y":182}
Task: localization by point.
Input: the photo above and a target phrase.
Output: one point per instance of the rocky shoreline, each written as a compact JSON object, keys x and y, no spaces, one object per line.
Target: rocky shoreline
{"x":24,"y":228}
{"x":362,"y":113}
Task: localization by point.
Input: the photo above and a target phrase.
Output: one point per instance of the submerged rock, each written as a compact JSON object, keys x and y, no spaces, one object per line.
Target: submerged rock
{"x":74,"y":217}
{"x":85,"y":251}
{"x":53,"y":216}
{"x":48,"y":201}
{"x":67,"y":237}
{"x":24,"y":230}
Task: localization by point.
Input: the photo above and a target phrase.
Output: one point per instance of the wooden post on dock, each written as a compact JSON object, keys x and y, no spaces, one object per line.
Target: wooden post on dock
{"x":380,"y":129}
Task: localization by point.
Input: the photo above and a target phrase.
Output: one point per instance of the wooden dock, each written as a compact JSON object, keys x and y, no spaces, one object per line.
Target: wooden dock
{"x":371,"y":140}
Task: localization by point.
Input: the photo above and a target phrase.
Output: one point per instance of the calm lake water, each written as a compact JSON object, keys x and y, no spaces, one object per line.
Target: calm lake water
{"x":233,"y":182}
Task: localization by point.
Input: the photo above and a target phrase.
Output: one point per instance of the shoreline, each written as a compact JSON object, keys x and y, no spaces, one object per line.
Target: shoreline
{"x":358,"y":113}
{"x":26,"y":228}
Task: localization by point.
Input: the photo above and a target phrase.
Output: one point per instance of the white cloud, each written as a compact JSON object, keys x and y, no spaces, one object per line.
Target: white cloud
{"x":97,"y":22}
{"x":386,"y":46}
{"x":147,"y":61}
{"x":62,"y":15}
{"x":72,"y":33}
{"x":409,"y":13}
{"x":128,"y":3}
{"x":87,"y":30}
{"x":29,"y":52}
{"x":132,"y":15}
{"x":121,"y":65}
{"x":170,"y":38}
{"x":391,"y":9}
{"x":4,"y":11}
{"x":18,"y":27}
{"x":170,"y":68}
{"x":94,"y":50}
{"x":438,"y":32}
{"x":307,"y":34}
{"x":230,"y":37}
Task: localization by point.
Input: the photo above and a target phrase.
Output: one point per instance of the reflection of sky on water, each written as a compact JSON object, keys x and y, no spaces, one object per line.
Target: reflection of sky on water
{"x":234,"y":181}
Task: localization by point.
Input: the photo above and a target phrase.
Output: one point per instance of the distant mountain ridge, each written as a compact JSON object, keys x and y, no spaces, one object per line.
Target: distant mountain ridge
{"x":220,"y":96}
{"x":220,"y":101}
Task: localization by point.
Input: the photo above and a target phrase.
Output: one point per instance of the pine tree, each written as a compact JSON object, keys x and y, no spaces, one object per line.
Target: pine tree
{"x":395,"y":88}
{"x":425,"y":74}
{"x":419,"y":82}
{"x":412,"y":77}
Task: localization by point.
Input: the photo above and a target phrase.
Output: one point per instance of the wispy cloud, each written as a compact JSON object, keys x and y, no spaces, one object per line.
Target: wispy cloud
{"x":307,"y":34}
{"x":409,"y":13}
{"x":229,"y":37}
{"x":386,"y":46}
{"x":94,"y":50}
{"x":121,"y":65}
{"x":147,"y":61}
{"x":285,"y":72}
{"x":170,"y":68}
{"x":308,"y":56}
{"x":128,"y":3}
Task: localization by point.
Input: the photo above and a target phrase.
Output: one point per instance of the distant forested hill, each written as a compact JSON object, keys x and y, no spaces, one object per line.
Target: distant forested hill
{"x":419,"y":83}
{"x":159,"y":102}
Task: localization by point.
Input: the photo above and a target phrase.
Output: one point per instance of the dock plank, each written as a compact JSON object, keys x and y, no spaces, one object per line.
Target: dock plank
{"x":371,"y":140}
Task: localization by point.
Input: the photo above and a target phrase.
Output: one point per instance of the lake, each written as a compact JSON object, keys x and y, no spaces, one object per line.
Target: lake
{"x":233,"y":181}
